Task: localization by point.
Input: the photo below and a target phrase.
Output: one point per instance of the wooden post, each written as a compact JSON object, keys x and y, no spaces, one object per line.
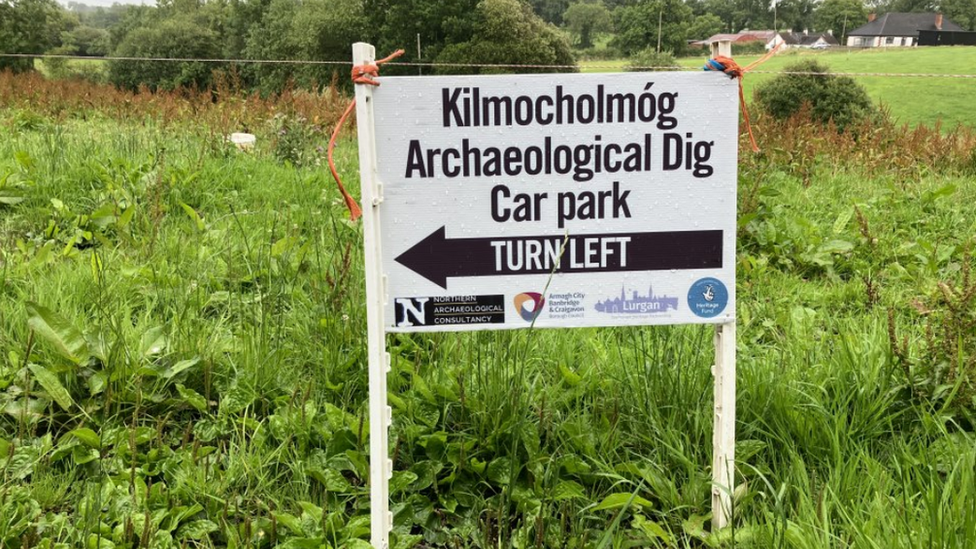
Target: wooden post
{"x":380,"y":414}
{"x":721,"y":47}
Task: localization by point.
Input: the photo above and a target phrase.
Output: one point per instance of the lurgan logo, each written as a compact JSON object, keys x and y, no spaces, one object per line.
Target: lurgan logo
{"x":637,"y":304}
{"x":529,"y":305}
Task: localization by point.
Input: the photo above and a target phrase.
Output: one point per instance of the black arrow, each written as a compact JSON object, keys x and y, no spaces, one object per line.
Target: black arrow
{"x":436,"y":257}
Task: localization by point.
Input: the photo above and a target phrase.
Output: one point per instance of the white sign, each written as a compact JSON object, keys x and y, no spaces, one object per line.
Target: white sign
{"x":505,"y":202}
{"x":557,"y":200}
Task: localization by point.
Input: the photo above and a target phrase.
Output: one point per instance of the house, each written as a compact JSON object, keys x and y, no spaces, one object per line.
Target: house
{"x":742,"y":37}
{"x":773,"y":39}
{"x":802,"y":40}
{"x":898,"y":29}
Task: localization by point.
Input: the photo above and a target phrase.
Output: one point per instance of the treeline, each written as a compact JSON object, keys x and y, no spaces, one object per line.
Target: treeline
{"x":448,"y":32}
{"x":451,"y":31}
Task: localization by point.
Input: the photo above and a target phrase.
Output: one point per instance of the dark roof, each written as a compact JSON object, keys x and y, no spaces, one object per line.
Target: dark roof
{"x":811,"y":39}
{"x":765,"y":35}
{"x":790,"y":38}
{"x":903,"y":24}
{"x":798,"y":39}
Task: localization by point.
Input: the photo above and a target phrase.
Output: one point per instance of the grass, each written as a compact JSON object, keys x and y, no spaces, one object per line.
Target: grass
{"x":182,"y":363}
{"x":910,"y":100}
{"x":92,"y":69}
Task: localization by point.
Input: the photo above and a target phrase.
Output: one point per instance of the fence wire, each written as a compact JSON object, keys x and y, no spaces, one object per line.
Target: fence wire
{"x":616,"y":68}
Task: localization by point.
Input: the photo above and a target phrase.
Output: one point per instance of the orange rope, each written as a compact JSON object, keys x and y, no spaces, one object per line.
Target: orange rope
{"x":361,"y":74}
{"x":731,"y":68}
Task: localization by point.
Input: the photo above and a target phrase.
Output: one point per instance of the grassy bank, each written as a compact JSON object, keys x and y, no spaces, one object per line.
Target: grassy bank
{"x":182,"y":361}
{"x":910,"y":100}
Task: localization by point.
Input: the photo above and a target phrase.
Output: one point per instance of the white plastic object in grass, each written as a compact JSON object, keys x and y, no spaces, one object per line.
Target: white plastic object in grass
{"x":244,"y":141}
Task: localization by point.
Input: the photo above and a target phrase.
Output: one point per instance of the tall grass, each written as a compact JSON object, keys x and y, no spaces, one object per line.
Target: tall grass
{"x":182,"y":362}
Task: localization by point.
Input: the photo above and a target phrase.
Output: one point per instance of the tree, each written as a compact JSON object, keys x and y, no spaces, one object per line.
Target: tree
{"x":85,"y":40}
{"x":132,"y":18}
{"x":962,"y":12}
{"x":637,"y":26}
{"x":28,"y":26}
{"x":585,"y":18}
{"x":841,"y":16}
{"x":177,"y":37}
{"x":704,"y":26}
{"x":830,"y":98}
{"x":551,"y":11}
{"x":508,"y":32}
{"x":398,"y":23}
{"x":243,"y":18}
{"x":797,"y":15}
{"x":325,"y":30}
{"x":752,"y":14}
{"x":316,"y":30}
{"x":916,"y":6}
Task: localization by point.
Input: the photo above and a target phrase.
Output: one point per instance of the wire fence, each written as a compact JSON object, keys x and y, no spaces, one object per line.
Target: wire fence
{"x":615,"y":68}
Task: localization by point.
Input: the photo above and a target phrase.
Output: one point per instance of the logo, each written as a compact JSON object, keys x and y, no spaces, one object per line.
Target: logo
{"x":529,"y":305}
{"x":708,"y":297}
{"x":637,"y":304}
{"x":448,"y":310}
{"x":410,"y":311}
{"x":568,"y":305}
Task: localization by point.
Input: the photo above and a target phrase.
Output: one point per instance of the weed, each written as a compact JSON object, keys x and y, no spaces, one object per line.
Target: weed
{"x":182,"y":354}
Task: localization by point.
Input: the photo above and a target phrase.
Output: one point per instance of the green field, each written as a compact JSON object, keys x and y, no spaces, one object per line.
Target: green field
{"x":910,"y":100}
{"x":183,"y":361}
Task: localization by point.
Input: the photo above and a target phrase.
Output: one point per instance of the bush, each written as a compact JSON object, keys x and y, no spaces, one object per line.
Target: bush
{"x":179,"y":37}
{"x":598,"y":54}
{"x":651,"y":58}
{"x":57,"y":67}
{"x":830,"y":97}
{"x":508,"y":32}
{"x":749,"y":48}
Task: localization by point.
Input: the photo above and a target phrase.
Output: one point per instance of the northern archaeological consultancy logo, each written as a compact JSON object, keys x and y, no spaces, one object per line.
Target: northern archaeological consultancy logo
{"x":529,"y":305}
{"x":637,"y":304}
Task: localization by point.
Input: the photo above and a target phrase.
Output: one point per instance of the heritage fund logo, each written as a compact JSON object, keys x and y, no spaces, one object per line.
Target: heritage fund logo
{"x":708,"y":297}
{"x":448,"y":310}
{"x":529,"y":305}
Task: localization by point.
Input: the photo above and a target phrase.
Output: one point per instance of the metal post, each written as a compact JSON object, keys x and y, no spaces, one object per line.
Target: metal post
{"x":723,"y":430}
{"x":380,"y":466}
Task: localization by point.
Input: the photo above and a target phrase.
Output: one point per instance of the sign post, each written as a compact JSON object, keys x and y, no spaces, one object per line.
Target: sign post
{"x":553,"y":201}
{"x":380,"y":414}
{"x":723,"y":428}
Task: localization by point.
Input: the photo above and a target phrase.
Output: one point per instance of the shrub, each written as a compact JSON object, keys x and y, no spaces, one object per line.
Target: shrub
{"x":178,"y":37}
{"x":644,"y":60}
{"x":598,"y":54}
{"x":830,"y":97}
{"x":749,"y":48}
{"x":943,"y":371}
{"x":57,"y":67}
{"x":508,"y":32}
